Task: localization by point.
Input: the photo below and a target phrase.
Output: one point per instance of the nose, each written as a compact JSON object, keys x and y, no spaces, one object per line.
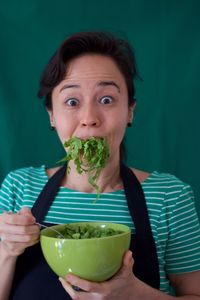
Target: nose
{"x":90,"y":117}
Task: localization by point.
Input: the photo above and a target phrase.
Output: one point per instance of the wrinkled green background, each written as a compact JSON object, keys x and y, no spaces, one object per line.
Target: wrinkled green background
{"x":166,"y":37}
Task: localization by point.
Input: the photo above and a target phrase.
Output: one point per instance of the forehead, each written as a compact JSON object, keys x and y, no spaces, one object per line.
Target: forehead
{"x":93,"y":67}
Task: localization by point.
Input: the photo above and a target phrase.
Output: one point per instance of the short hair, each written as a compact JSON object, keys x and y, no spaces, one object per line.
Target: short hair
{"x":96,"y":42}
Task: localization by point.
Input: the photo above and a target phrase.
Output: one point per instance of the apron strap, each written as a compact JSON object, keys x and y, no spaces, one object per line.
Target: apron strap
{"x":136,"y":201}
{"x":47,"y":195}
{"x":146,"y":265}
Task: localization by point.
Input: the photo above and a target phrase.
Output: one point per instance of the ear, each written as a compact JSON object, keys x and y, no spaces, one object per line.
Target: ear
{"x":131,"y":112}
{"x":51,"y":118}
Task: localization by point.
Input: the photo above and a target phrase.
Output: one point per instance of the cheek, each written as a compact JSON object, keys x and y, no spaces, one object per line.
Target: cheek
{"x":64,"y":128}
{"x":117,"y":133}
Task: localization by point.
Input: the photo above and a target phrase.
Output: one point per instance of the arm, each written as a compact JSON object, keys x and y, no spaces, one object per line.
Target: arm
{"x":124,"y":285}
{"x":17,"y":231}
{"x":7,"y":267}
{"x":186,"y":284}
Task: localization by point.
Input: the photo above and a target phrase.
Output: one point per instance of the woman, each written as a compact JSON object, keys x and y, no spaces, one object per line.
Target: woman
{"x":88,"y":89}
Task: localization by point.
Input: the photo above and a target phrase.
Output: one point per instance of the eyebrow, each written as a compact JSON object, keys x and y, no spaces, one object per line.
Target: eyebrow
{"x":107,"y":83}
{"x":68,"y":86}
{"x":101,"y":83}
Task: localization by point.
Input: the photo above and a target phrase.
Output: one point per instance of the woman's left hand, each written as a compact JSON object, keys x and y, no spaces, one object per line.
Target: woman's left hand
{"x":118,"y":287}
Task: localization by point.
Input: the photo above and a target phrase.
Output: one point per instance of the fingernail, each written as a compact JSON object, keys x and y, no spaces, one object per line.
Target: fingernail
{"x":130,"y":257}
{"x":61,"y":279}
{"x":69,"y":277}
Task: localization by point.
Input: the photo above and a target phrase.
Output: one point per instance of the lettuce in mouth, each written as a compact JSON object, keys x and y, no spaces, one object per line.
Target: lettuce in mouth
{"x":89,"y":156}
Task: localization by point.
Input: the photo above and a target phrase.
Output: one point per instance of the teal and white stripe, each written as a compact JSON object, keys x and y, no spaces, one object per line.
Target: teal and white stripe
{"x":170,"y":204}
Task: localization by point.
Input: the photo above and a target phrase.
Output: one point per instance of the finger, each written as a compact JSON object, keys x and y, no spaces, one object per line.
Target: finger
{"x":68,"y":288}
{"x":19,"y":238}
{"x":19,"y":229}
{"x":83,"y":284}
{"x":18,"y":219}
{"x":25,"y":211}
{"x":17,"y":233}
{"x":21,"y":245}
{"x":82,"y":295}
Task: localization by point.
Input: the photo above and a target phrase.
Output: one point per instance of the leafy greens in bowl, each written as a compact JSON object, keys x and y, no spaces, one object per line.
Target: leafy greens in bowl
{"x":86,"y":231}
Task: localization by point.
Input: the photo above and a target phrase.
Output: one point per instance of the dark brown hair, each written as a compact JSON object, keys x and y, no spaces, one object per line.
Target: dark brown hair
{"x":84,"y":43}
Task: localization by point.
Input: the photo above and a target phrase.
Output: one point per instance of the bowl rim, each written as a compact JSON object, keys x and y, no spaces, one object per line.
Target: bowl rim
{"x":126,"y":230}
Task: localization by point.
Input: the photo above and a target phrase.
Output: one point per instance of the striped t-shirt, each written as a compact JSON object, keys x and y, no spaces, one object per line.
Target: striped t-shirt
{"x":170,"y":205}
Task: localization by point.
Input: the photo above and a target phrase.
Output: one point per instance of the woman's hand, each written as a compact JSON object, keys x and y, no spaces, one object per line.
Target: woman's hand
{"x":125,"y":285}
{"x":118,"y":287}
{"x":18,"y":231}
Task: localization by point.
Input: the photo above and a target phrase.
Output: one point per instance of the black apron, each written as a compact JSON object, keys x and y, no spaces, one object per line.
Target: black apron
{"x":34,"y":280}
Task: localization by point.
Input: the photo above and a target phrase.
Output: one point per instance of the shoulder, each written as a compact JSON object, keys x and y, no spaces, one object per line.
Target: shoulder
{"x":50,"y":172}
{"x":167,"y":186}
{"x":154,"y":176}
{"x":19,"y":176}
{"x":141,"y":175}
{"x":166,"y":179}
{"x":174,"y":195}
{"x":21,"y":187}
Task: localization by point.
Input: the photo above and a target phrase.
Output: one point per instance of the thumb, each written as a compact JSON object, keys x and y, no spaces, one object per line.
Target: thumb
{"x":25,"y":211}
{"x":128,"y":259}
{"x":127,"y":265}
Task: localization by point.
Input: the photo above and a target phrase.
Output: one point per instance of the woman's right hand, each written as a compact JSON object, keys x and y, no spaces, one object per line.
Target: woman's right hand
{"x":18,"y":231}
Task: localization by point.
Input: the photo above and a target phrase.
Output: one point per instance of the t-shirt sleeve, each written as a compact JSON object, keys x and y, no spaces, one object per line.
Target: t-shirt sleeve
{"x":183,"y":246}
{"x":9,"y":192}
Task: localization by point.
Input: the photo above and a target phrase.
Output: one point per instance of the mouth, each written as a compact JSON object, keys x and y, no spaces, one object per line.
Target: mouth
{"x":87,"y":137}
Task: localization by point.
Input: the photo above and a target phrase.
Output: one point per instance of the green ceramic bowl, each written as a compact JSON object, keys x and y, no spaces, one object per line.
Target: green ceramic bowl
{"x":94,"y":259}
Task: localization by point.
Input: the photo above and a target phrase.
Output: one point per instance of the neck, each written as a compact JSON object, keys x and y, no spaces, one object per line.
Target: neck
{"x":108,"y":181}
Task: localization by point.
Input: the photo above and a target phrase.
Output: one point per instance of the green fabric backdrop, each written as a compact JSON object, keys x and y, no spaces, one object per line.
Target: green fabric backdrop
{"x":166,"y":37}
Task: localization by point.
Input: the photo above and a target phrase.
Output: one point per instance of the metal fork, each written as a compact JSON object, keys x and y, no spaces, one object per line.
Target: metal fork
{"x":52,"y":229}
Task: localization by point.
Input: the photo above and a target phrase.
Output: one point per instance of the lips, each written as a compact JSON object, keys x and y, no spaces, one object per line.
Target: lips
{"x":86,"y":137}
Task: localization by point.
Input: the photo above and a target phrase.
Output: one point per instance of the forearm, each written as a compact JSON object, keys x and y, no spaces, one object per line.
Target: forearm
{"x":7,"y":269}
{"x":145,"y":292}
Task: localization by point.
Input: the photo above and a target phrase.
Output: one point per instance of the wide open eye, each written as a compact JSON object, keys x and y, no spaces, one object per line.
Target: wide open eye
{"x":72,"y":102}
{"x":106,"y":100}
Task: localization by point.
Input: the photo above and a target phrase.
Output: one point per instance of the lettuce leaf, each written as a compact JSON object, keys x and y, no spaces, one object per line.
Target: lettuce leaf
{"x":89,"y":156}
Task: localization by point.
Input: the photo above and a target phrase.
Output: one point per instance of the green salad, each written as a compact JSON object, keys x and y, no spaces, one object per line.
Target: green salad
{"x":87,"y":232}
{"x":89,"y":156}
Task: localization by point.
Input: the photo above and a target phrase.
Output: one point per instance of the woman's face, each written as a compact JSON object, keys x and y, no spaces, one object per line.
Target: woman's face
{"x":92,"y":100}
